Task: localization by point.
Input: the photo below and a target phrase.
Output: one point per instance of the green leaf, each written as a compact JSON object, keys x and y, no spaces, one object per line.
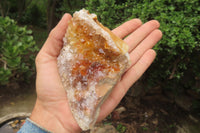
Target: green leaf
{"x":17,"y":48}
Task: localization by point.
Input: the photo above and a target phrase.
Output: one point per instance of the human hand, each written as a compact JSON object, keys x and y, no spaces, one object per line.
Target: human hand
{"x":52,"y":110}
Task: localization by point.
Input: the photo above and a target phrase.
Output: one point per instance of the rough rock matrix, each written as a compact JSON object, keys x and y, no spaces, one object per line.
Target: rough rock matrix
{"x":91,"y":62}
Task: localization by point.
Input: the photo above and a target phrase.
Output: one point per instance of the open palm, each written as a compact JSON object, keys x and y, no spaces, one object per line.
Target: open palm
{"x":52,"y":110}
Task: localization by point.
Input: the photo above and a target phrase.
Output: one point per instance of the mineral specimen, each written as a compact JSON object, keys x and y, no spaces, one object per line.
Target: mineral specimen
{"x":90,"y":64}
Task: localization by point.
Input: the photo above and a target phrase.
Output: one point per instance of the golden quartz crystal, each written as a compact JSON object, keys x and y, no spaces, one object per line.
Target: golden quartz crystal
{"x":90,"y":64}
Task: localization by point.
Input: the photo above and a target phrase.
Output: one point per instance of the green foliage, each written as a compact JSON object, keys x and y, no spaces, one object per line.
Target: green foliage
{"x":178,"y":53}
{"x":35,"y":14}
{"x":109,"y":12}
{"x":144,"y":128}
{"x":16,"y":52}
{"x":25,"y":11}
{"x":196,"y":107}
{"x":69,"y":6}
{"x":121,"y":128}
{"x":40,"y":35}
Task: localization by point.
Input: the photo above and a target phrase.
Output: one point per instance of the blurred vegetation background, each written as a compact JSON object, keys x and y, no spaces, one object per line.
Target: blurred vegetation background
{"x":25,"y":24}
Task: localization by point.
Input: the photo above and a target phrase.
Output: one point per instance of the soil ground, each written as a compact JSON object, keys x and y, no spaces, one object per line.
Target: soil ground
{"x":17,"y":99}
{"x":155,"y":116}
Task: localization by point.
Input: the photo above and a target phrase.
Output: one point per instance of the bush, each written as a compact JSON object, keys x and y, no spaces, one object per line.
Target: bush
{"x":34,"y":16}
{"x":69,"y":6}
{"x":109,"y":12}
{"x":177,"y":64}
{"x":16,"y":52}
{"x":25,"y":11}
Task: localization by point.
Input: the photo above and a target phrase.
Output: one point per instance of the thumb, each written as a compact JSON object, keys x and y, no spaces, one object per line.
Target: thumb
{"x":54,"y":42}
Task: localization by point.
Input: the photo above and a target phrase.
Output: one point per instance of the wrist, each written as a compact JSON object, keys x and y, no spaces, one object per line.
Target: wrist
{"x":49,"y":121}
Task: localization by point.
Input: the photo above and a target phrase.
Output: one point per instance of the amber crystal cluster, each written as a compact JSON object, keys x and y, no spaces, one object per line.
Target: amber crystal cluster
{"x":90,"y":63}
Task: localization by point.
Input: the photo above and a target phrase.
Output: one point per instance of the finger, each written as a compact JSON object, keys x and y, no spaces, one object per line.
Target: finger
{"x":136,"y":71}
{"x":131,"y":76}
{"x":146,"y":44}
{"x":127,"y":28}
{"x":136,"y":37}
{"x":54,"y":42}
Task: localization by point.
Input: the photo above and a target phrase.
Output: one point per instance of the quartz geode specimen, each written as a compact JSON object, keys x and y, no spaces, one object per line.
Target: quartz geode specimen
{"x":90,"y":64}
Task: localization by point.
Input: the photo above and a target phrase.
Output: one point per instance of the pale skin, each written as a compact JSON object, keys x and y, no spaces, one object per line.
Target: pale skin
{"x":52,"y":110}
